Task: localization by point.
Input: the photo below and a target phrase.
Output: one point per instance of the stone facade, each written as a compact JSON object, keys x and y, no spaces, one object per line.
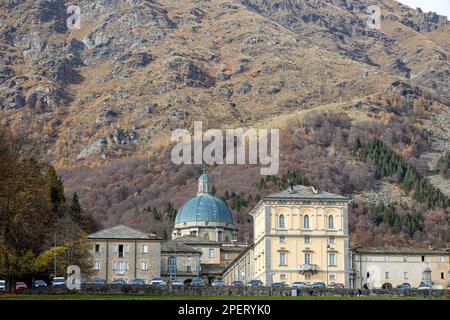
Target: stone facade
{"x":122,"y":253}
{"x":241,"y":269}
{"x":179,"y":261}
{"x":301,"y":235}
{"x":387,"y":268}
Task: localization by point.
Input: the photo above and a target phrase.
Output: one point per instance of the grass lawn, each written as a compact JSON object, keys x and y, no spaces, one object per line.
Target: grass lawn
{"x":78,"y":296}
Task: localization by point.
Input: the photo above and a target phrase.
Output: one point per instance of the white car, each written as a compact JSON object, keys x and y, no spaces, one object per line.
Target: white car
{"x":424,"y":287}
{"x":158,"y":282}
{"x":2,"y":285}
{"x":299,"y":285}
{"x":58,"y":281}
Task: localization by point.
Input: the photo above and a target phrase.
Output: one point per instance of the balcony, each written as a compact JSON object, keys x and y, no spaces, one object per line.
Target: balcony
{"x":308,"y":268}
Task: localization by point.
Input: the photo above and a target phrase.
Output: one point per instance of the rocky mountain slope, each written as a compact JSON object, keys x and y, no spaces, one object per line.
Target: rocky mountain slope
{"x":112,"y":91}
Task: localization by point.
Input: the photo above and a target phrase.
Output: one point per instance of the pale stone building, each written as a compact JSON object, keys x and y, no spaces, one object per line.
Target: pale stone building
{"x":179,"y":261}
{"x":389,"y":267}
{"x":123,"y":253}
{"x":241,"y":268}
{"x":300,"y":234}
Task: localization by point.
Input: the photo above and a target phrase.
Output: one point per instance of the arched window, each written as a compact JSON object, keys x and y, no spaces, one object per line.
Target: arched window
{"x":330,"y":222}
{"x":306,"y":222}
{"x":281,"y":221}
{"x":172,"y":264}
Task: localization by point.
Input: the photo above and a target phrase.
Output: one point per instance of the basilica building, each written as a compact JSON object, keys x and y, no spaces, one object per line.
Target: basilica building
{"x":205,"y":216}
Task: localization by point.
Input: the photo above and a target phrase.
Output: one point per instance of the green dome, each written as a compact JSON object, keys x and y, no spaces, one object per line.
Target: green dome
{"x":204,"y":207}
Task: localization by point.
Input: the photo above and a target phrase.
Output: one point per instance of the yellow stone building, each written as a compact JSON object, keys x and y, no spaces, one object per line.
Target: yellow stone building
{"x":301,"y":234}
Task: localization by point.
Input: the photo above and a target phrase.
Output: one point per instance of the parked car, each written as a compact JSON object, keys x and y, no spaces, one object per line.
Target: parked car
{"x":279,"y":284}
{"x":158,"y":282}
{"x":39,"y":284}
{"x":137,"y":281}
{"x":218,"y":283}
{"x":237,"y":283}
{"x":424,"y":286}
{"x":21,"y":286}
{"x":98,"y":282}
{"x":318,"y":285}
{"x":2,"y":285}
{"x":299,"y":285}
{"x":177,"y":282}
{"x":119,"y":281}
{"x":255,"y":283}
{"x":335,"y":285}
{"x":58,"y":281}
{"x":197,"y":282}
{"x":404,"y":286}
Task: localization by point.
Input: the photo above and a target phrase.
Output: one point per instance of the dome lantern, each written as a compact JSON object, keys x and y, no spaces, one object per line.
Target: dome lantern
{"x":203,"y":183}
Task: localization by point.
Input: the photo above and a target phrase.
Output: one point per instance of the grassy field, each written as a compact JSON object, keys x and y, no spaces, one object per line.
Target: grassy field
{"x":77,"y":296}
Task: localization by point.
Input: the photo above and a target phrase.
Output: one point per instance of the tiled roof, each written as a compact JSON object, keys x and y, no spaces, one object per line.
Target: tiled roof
{"x":176,"y":246}
{"x":303,"y":192}
{"x":121,"y":232}
{"x":402,"y":250}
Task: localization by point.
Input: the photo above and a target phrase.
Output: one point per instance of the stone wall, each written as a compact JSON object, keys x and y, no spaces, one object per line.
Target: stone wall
{"x":252,"y":291}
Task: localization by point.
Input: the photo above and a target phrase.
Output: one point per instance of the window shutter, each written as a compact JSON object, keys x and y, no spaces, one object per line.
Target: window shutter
{"x":128,"y":266}
{"x":127,"y":248}
{"x":116,"y":248}
{"x":115,"y":266}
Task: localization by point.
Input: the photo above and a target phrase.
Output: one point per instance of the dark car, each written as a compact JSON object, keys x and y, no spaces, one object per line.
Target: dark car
{"x":404,"y":286}
{"x":119,"y":281}
{"x":137,"y":281}
{"x":21,"y":286}
{"x":255,"y":283}
{"x":197,"y":282}
{"x":98,"y":282}
{"x":336,"y":285}
{"x":218,"y":283}
{"x":39,"y":284}
{"x":279,"y":285}
{"x":318,"y":285}
{"x":237,"y":283}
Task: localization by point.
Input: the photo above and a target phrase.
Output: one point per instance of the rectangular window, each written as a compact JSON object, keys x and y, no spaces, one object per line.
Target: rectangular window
{"x":282,"y":259}
{"x":331,"y":240}
{"x":442,"y":275}
{"x":97,"y":265}
{"x":405,"y":275}
{"x":386,"y":275}
{"x":120,"y":253}
{"x":307,"y":258}
{"x":226,"y":256}
{"x":386,"y":258}
{"x":405,"y":259}
{"x":307,"y":239}
{"x":144,"y":266}
{"x":188,"y":269}
{"x":441,"y":259}
{"x":356,"y":257}
{"x":423,"y":258}
{"x":282,"y":240}
{"x":282,"y":276}
{"x":97,"y":248}
{"x":307,"y":277}
{"x":211,"y":253}
{"x":332,"y":277}
{"x":331,"y":259}
{"x":144,"y":248}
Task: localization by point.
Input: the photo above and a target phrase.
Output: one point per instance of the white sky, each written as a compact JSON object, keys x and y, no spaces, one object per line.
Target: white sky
{"x":441,"y":7}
